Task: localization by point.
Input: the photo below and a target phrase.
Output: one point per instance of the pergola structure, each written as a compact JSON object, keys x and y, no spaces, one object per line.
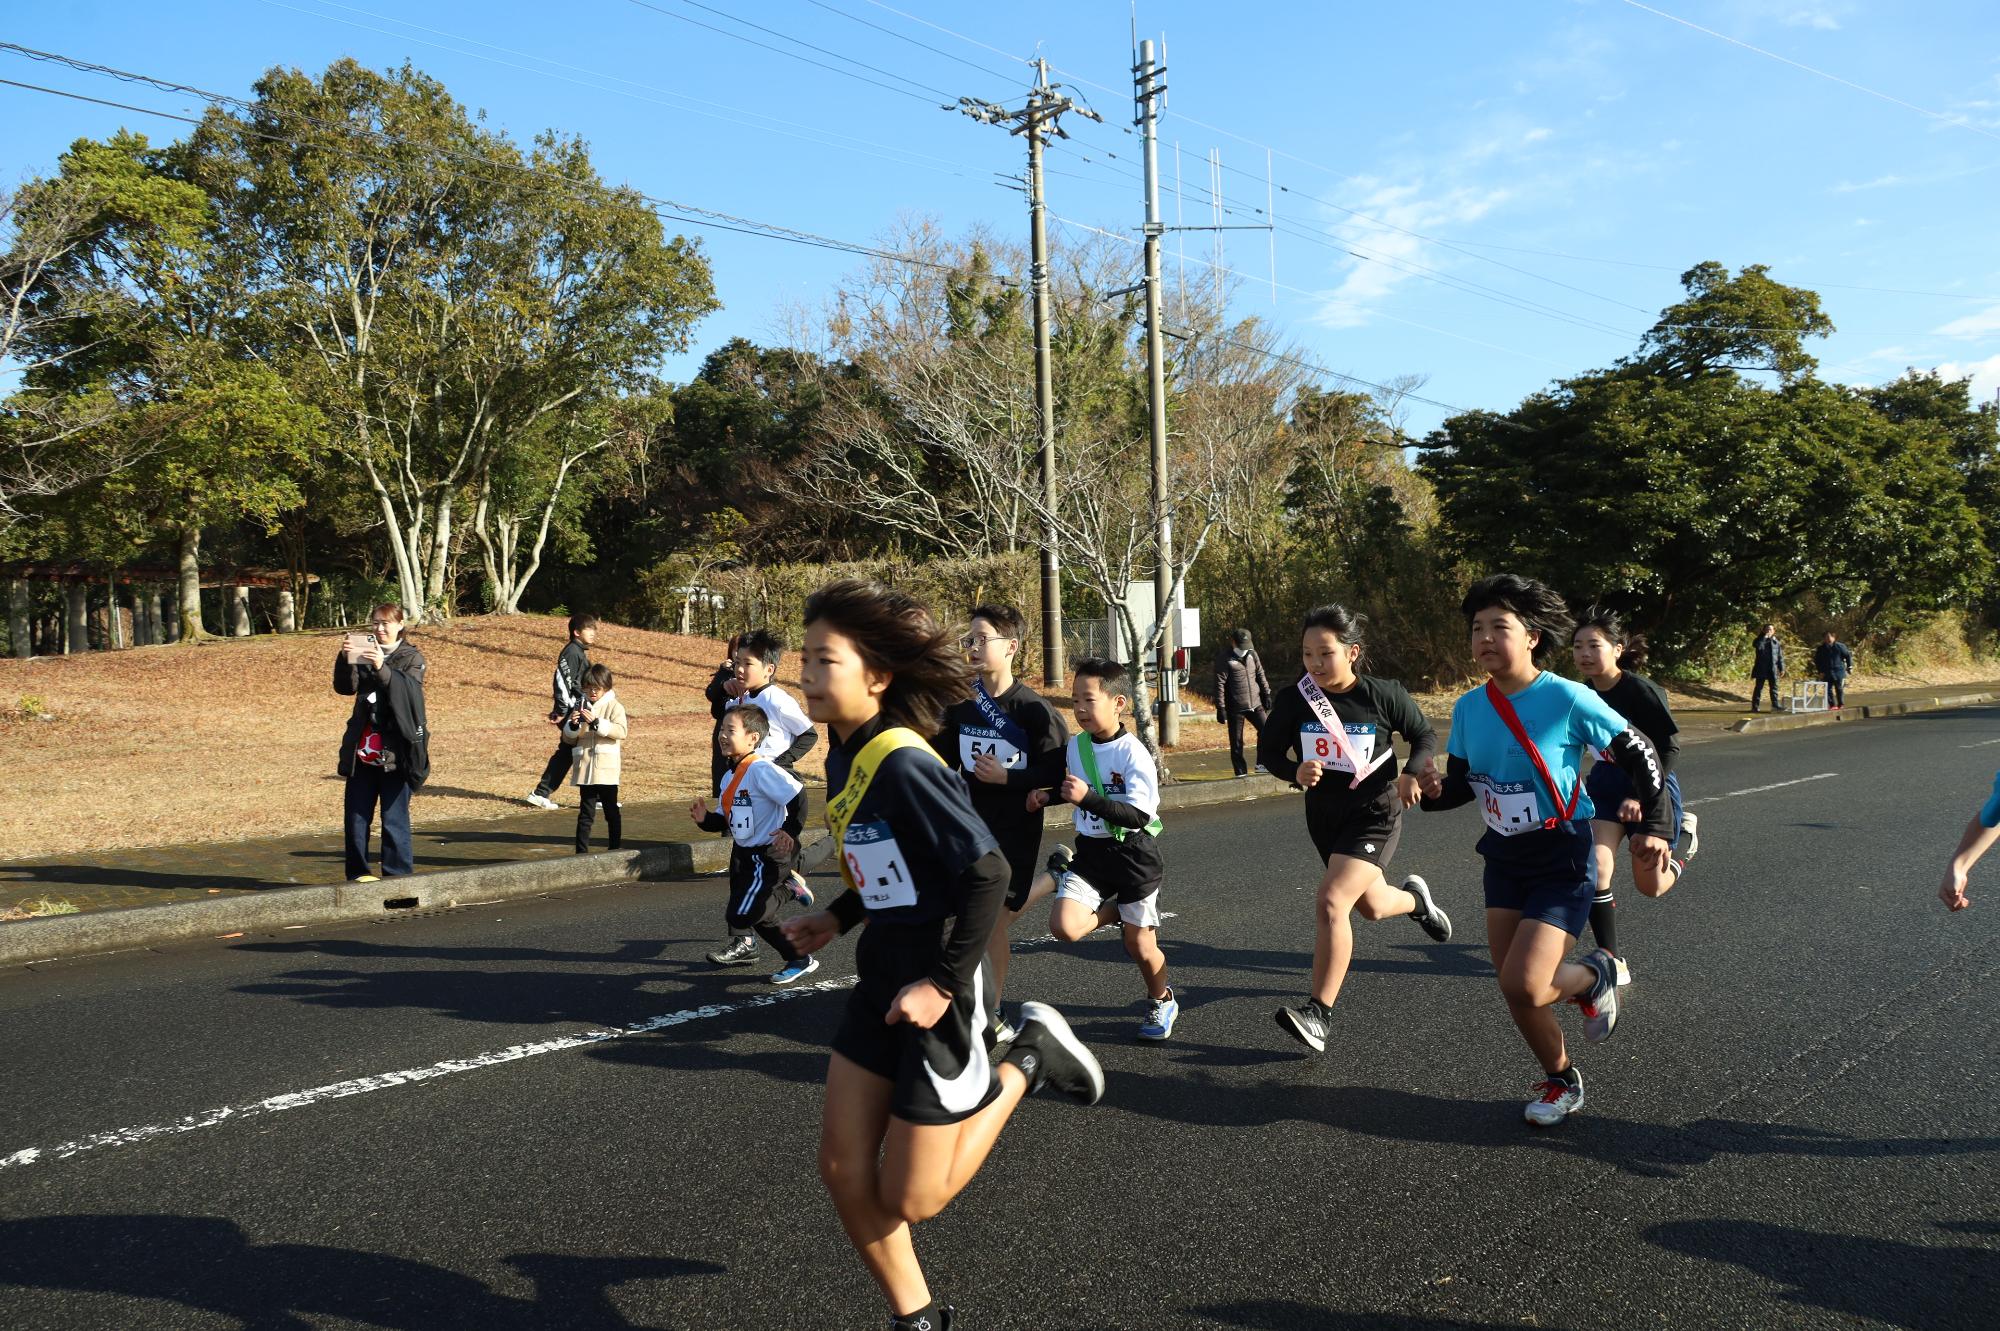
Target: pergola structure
{"x":148,"y":585}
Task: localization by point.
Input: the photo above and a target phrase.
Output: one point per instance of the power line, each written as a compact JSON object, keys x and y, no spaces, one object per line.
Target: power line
{"x":905,"y":37}
{"x":1960,"y":122}
{"x":961,"y":36}
{"x":794,"y":55}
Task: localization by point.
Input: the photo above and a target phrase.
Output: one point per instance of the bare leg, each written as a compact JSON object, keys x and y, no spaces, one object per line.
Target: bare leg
{"x":852,"y":1125}
{"x":999,"y":947}
{"x":924,"y":1166}
{"x":1142,"y":944}
{"x":1528,"y":955}
{"x":1348,"y":881}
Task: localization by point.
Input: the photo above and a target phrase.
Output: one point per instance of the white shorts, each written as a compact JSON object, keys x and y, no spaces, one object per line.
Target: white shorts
{"x":1140,"y":912}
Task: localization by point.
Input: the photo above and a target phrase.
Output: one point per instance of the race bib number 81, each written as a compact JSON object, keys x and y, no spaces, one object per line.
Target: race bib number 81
{"x":1316,"y":746}
{"x":878,"y":868}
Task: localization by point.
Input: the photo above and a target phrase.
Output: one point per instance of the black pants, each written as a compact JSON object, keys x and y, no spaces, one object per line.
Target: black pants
{"x":552,"y":776}
{"x":367,"y":787}
{"x":1236,"y":719}
{"x":755,"y":878}
{"x":1835,"y":696}
{"x":588,"y":798}
{"x":1757,"y":687}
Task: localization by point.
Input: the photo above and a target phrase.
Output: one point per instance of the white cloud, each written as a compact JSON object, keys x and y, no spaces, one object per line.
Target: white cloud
{"x":1537,"y":134}
{"x":1880,"y":182}
{"x":1812,"y":18}
{"x":1985,"y":322}
{"x":1985,"y":376}
{"x":1367,"y":281}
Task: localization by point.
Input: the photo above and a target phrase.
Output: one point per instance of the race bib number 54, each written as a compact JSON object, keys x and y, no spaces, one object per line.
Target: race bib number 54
{"x":976,"y":744}
{"x":878,"y":868}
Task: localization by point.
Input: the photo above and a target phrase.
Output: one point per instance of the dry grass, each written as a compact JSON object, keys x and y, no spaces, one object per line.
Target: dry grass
{"x":238,"y":738}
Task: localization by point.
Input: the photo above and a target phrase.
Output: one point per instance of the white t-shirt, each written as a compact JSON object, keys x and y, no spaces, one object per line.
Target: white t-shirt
{"x":760,"y":802}
{"x":1128,"y":774}
{"x":788,"y":719}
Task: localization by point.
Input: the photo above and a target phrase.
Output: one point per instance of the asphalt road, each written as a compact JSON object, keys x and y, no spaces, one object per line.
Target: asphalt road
{"x":447,"y":1122}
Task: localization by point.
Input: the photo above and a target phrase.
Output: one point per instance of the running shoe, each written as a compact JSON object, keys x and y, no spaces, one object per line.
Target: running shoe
{"x":1305,"y":1023}
{"x":792,"y":971}
{"x":1049,"y":1054}
{"x":1600,"y":1002}
{"x":800,"y":892}
{"x":1161,"y":1014}
{"x":1001,"y":1031}
{"x":1624,"y":973}
{"x":1428,"y":914}
{"x":1059,"y":860}
{"x":1556,"y":1098}
{"x":918,"y":1322}
{"x":741,"y":951}
{"x":1691,"y":829}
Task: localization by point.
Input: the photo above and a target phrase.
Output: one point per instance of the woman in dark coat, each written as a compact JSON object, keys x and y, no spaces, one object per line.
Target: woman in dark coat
{"x":1241,"y":691}
{"x":385,"y":754}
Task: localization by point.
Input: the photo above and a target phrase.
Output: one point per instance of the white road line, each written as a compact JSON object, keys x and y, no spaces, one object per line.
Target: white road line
{"x":1757,"y":790}
{"x":382,"y":1081}
{"x":1980,"y":745}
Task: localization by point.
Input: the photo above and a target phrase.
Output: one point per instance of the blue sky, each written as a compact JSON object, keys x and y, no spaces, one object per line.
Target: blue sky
{"x":1552,"y":164}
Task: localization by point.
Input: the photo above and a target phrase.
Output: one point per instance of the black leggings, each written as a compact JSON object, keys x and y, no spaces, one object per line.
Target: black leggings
{"x":588,"y":798}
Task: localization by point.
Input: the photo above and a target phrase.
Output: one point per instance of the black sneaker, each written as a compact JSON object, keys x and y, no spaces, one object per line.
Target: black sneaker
{"x":742,"y":950}
{"x":1049,"y":1054}
{"x":1428,"y":914}
{"x":1059,"y":860}
{"x":1305,"y":1023}
{"x":919,"y":1322}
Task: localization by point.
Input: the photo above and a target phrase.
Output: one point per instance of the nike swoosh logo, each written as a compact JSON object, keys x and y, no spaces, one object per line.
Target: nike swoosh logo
{"x":962,"y":1094}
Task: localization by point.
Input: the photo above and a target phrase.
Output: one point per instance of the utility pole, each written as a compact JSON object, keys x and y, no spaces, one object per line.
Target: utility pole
{"x":1147,"y":92}
{"x":1037,"y":120}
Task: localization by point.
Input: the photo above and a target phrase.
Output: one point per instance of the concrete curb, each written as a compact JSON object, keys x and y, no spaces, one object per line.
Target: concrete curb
{"x":1869,"y":712}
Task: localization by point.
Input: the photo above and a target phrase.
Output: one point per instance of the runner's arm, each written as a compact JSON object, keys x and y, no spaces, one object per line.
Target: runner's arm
{"x":1114,"y":812}
{"x":1274,"y":742}
{"x":847,"y":909}
{"x":1044,"y":768}
{"x":714,"y":822}
{"x":1636,"y":758}
{"x":800,"y":747}
{"x":1410,"y":721}
{"x":984,"y":887}
{"x":1457,"y":786}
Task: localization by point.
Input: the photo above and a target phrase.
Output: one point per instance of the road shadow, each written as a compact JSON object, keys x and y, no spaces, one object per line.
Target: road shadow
{"x":92,"y":875}
{"x":207,"y":1263}
{"x":1907,"y":1285}
{"x":1290,"y":1315}
{"x":459,"y":792}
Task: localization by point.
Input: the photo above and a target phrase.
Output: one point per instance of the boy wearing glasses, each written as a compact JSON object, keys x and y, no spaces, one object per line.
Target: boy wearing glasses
{"x":1006,"y":741}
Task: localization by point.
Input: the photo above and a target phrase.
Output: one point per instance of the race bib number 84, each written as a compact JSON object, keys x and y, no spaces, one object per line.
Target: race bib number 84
{"x":878,"y":868}
{"x":1509,"y":807}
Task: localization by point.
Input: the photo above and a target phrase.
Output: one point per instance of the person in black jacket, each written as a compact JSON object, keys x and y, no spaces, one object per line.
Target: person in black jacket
{"x":385,"y":754}
{"x":1834,"y":662}
{"x":1241,"y":692}
{"x":722,"y":692}
{"x":566,"y":696}
{"x":1770,"y":667}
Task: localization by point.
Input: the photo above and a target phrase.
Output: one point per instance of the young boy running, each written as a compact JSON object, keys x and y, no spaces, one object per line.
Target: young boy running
{"x":914,"y":1102}
{"x":1006,"y":741}
{"x":755,"y":798}
{"x":790,"y":735}
{"x":1517,"y":747}
{"x":1115,"y":871}
{"x":1339,"y":725}
{"x":1602,"y":650}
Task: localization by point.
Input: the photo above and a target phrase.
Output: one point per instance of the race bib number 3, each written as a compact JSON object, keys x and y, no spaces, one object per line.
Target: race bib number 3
{"x":878,"y":868}
{"x":975,"y":744}
{"x":1316,"y":746}
{"x":1510,"y":808}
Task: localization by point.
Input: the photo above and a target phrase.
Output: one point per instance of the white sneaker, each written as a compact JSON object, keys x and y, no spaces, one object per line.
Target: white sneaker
{"x":541,"y":801}
{"x":1556,"y":1098}
{"x":794,"y":970}
{"x":1690,"y":828}
{"x":1624,"y":973}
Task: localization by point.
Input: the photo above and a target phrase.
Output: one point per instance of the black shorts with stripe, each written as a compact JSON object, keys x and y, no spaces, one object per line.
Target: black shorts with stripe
{"x":941,"y":1075}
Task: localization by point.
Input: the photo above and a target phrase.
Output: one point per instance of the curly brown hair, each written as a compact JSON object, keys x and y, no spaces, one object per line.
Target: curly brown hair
{"x":897,"y":635}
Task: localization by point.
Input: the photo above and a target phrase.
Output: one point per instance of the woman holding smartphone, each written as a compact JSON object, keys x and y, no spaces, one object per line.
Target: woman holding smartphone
{"x":385,"y":754}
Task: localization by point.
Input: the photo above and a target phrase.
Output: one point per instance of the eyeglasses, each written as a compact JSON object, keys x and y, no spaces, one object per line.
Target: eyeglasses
{"x":383,"y":623}
{"x":969,"y":641}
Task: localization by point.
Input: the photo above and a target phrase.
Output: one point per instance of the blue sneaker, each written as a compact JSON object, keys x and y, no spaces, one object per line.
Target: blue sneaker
{"x":800,"y":892}
{"x":803,"y":966}
{"x":1161,"y":1013}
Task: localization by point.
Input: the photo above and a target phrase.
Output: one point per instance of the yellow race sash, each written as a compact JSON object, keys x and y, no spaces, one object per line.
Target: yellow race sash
{"x":840,"y":809}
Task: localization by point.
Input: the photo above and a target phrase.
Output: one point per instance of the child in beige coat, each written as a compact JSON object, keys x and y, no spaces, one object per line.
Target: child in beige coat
{"x":594,"y":732}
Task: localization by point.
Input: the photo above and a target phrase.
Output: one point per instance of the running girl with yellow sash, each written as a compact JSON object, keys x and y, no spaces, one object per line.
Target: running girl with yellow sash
{"x":913,"y":1100}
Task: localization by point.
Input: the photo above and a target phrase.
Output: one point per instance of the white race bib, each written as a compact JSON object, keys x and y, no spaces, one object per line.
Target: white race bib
{"x":741,"y":817}
{"x":1316,"y":746}
{"x":973,"y":744}
{"x":878,"y":868}
{"x":1509,"y":807}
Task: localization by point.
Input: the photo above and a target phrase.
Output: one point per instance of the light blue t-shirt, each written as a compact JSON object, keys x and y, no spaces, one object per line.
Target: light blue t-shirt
{"x":1989,"y":816}
{"x":1563,"y":719}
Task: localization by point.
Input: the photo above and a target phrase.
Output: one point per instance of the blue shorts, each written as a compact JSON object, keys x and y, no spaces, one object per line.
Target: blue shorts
{"x":1608,"y":787}
{"x":1544,"y":875}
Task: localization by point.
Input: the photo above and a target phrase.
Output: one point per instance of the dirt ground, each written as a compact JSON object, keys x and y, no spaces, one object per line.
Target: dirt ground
{"x":236,"y":738}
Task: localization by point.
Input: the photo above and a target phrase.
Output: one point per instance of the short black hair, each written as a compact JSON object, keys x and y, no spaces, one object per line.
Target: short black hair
{"x":598,"y":676}
{"x":1112,"y":677}
{"x":1631,"y":646}
{"x":752,"y":718}
{"x":1536,"y":604}
{"x":579,"y":622}
{"x":764,"y":643}
{"x":1350,"y":626}
{"x":1003,"y":617}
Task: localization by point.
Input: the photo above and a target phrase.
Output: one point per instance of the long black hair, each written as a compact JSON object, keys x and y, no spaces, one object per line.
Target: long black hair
{"x":1350,"y":626}
{"x":897,"y":635}
{"x":1631,"y":646}
{"x":1536,"y":604}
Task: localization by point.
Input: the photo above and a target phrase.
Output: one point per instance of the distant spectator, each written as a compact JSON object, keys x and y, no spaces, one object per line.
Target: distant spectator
{"x":722,"y":692}
{"x":1241,"y":692}
{"x":595,"y":732}
{"x":566,"y":691}
{"x":385,"y":754}
{"x":1769,"y":669}
{"x":1834,"y":662}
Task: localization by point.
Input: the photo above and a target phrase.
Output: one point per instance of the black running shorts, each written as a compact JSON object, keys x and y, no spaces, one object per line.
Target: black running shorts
{"x":941,"y":1075}
{"x":1023,"y":848}
{"x":1361,"y":831}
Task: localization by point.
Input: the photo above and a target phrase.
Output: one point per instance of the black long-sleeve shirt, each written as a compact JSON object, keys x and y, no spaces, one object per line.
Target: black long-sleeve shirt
{"x":1371,"y":711}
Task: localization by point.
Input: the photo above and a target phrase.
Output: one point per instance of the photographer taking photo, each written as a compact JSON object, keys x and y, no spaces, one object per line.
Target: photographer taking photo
{"x":385,"y":754}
